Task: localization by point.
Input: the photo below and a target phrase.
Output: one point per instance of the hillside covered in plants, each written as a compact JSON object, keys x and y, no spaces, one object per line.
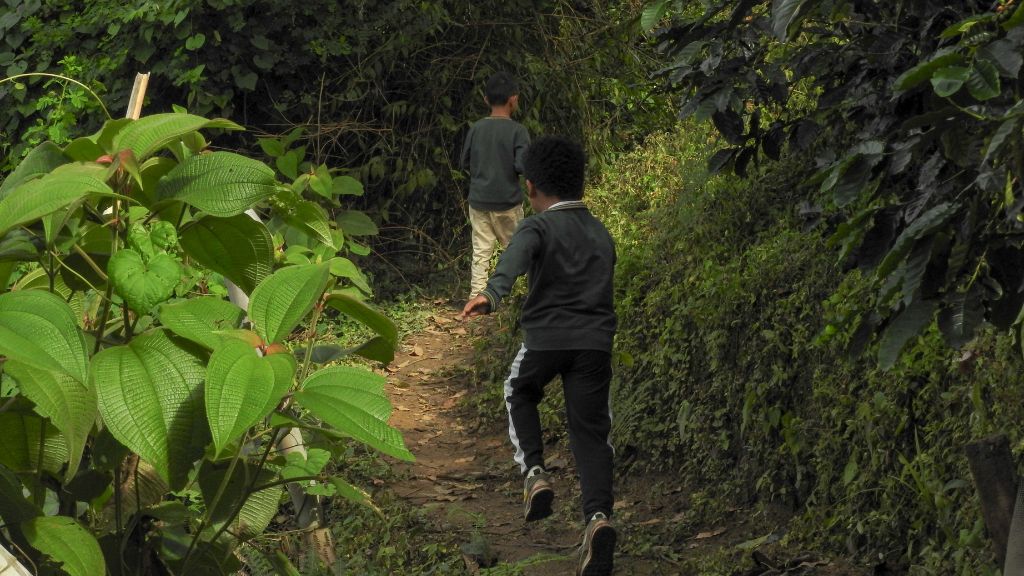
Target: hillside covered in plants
{"x":817,"y":209}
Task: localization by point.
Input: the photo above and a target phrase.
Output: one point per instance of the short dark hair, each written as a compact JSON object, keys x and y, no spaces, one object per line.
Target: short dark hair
{"x":500,"y":87}
{"x":555,"y":165}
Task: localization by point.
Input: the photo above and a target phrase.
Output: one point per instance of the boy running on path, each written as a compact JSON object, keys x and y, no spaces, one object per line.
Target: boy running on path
{"x":493,"y":153}
{"x":569,"y":323}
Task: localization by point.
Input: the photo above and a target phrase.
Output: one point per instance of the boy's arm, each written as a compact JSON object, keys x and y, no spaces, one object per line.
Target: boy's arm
{"x":521,"y":141}
{"x":513,"y":263}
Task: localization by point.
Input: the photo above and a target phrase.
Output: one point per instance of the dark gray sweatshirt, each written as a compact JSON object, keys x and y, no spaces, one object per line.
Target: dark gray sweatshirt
{"x":569,"y":259}
{"x":493,"y":154}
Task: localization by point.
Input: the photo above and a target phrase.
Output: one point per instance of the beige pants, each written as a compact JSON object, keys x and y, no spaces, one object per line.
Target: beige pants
{"x":488,"y":228}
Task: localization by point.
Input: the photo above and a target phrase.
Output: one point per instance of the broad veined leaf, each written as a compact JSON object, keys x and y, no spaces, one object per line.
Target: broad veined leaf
{"x":963,"y":314}
{"x":309,"y":464}
{"x":653,"y":14}
{"x":352,"y":400}
{"x":354,"y":494}
{"x":347,"y":186}
{"x":150,"y":397}
{"x":70,"y":405}
{"x":58,"y":189}
{"x":40,"y":329}
{"x":149,"y":134}
{"x":141,"y":284}
{"x":239,"y":248}
{"x":1005,"y":55}
{"x":64,"y":540}
{"x":377,"y":348}
{"x":17,"y":246}
{"x":197,"y":319}
{"x":284,"y":367}
{"x":22,"y":432}
{"x":259,"y":507}
{"x":1016,"y":19}
{"x":948,"y":81}
{"x":924,"y":225}
{"x":905,"y":325}
{"x":304,"y":215}
{"x":241,"y":388}
{"x":83,"y":150}
{"x":14,"y":508}
{"x":40,"y":161}
{"x":284,"y":298}
{"x":356,"y":223}
{"x":345,"y":268}
{"x":784,"y":14}
{"x":220,"y":183}
{"x":925,"y":70}
{"x":1005,"y":130}
{"x":365,"y":314}
{"x":983,"y":82}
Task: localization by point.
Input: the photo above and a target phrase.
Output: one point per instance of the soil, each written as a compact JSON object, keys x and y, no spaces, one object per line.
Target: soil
{"x":465,"y":477}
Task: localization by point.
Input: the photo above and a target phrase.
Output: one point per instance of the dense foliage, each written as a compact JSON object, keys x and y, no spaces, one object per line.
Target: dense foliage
{"x":384,"y":90}
{"x":908,"y":118}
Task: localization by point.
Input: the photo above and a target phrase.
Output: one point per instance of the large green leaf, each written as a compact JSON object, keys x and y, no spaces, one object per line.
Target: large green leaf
{"x":143,"y":284}
{"x":40,"y":329}
{"x":41,"y":160}
{"x":239,"y":248}
{"x":14,"y":508}
{"x":925,"y":70}
{"x":198,"y":318}
{"x":904,"y":326}
{"x":220,"y":183}
{"x":241,"y":388}
{"x":61,"y":187}
{"x":70,"y":405}
{"x":354,"y":494}
{"x":148,"y":135}
{"x":948,"y":81}
{"x":784,"y":14}
{"x":281,"y":301}
{"x":304,"y":215}
{"x":22,"y":432}
{"x":258,"y":509}
{"x":150,"y":397}
{"x":653,"y":14}
{"x":924,"y":225}
{"x":366,"y":315}
{"x":352,"y":400}
{"x":67,"y":542}
{"x":356,"y":223}
{"x":983,"y":82}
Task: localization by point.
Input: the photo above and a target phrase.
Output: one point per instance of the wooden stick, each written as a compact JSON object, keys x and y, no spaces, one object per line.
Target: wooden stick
{"x":138,"y":95}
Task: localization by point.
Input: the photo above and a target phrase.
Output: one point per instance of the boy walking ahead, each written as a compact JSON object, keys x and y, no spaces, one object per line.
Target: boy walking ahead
{"x":569,"y":322}
{"x":493,"y":153}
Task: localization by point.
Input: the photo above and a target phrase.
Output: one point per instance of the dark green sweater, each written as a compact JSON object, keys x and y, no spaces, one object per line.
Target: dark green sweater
{"x":493,"y":154}
{"x":569,"y":258}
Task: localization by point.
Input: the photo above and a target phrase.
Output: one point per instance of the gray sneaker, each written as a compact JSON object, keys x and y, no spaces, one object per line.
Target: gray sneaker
{"x":597,"y":554}
{"x":537,"y":494}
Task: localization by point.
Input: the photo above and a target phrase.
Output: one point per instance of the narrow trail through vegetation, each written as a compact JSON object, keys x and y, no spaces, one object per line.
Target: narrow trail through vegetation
{"x":465,"y":477}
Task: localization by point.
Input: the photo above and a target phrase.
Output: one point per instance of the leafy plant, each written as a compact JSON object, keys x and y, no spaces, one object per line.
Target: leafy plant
{"x":909,"y":115}
{"x":145,"y":409}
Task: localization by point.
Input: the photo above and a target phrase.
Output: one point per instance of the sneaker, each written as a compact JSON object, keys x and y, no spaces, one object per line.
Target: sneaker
{"x":537,"y":494}
{"x":597,"y":554}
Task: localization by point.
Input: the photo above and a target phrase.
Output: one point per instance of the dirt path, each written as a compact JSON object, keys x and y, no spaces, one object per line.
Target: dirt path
{"x":464,"y":475}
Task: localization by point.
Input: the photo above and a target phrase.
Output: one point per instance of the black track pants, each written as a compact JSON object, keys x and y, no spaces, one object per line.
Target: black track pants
{"x":586,"y":376}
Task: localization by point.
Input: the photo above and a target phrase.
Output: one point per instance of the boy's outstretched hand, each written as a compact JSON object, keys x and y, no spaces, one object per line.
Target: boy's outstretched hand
{"x":476,"y":306}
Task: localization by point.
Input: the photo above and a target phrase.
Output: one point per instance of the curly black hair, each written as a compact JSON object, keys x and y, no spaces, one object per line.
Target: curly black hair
{"x":500,"y":87}
{"x":555,"y":165}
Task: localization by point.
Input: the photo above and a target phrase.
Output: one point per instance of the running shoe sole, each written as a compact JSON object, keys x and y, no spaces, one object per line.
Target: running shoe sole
{"x":599,"y":556}
{"x":538,"y":504}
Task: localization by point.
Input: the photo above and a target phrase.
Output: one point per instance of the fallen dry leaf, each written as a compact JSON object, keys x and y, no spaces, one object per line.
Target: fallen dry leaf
{"x":464,"y":460}
{"x":650,"y":522}
{"x":709,"y":534}
{"x":417,"y":350}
